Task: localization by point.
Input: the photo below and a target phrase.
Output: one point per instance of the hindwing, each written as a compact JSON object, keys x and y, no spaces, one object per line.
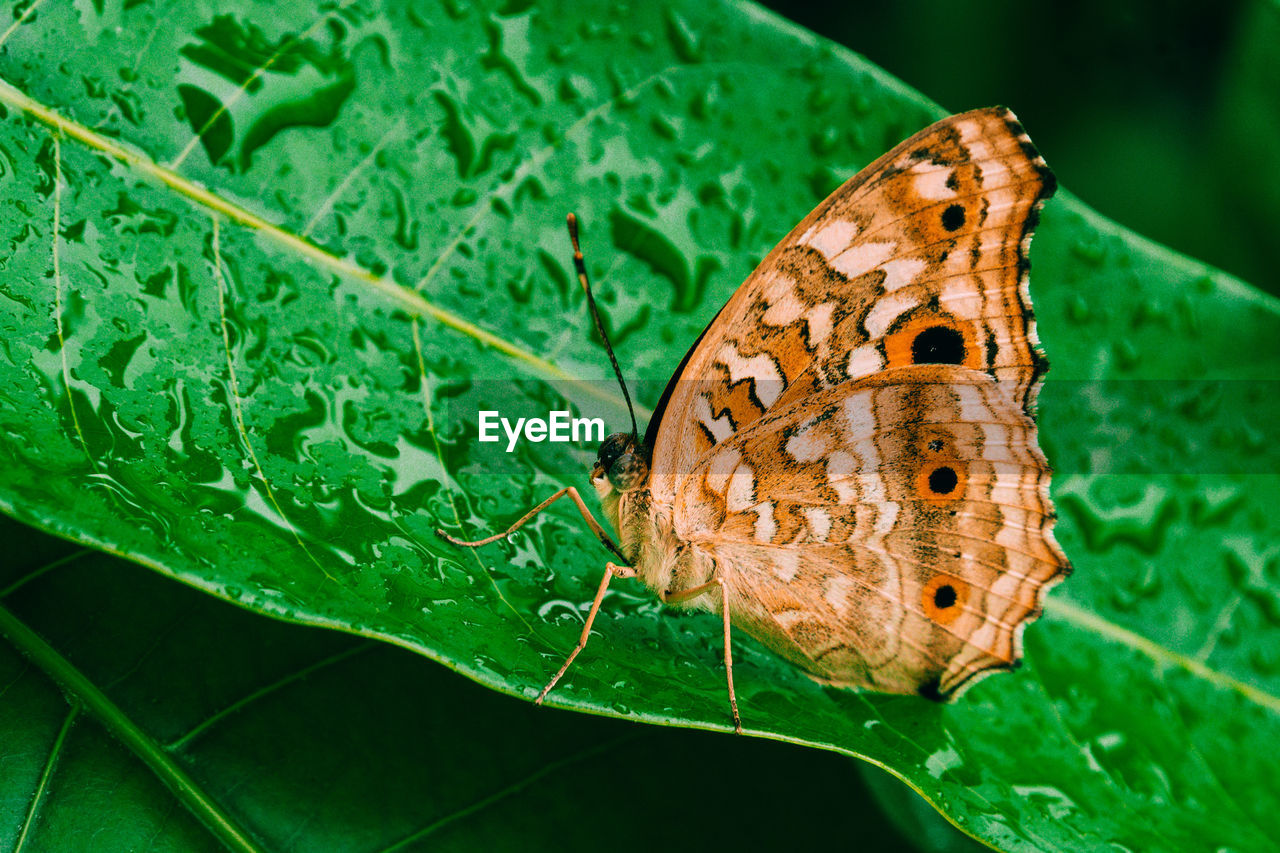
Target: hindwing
{"x":893,"y":532}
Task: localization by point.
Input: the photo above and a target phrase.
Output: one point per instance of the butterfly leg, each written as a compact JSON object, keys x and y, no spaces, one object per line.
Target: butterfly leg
{"x":694,"y":592}
{"x":611,"y":571}
{"x":599,"y":531}
{"x":728,"y":658}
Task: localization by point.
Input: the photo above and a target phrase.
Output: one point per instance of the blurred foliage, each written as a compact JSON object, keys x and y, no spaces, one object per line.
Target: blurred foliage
{"x":1164,"y":116}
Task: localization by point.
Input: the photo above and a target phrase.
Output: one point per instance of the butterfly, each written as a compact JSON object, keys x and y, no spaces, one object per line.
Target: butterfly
{"x":845,"y":464}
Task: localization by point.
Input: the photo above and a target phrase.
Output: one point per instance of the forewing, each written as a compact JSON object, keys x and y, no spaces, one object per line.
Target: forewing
{"x":919,"y":258}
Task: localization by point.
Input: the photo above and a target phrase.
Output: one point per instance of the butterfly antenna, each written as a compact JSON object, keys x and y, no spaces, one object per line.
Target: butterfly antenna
{"x":581,"y":267}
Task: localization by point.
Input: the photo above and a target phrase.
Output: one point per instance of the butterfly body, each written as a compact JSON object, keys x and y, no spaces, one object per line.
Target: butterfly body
{"x":664,"y":562}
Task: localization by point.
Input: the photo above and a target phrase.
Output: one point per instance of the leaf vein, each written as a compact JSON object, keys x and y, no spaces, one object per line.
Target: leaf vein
{"x":511,"y":790}
{"x":43,"y":570}
{"x":238,"y":407}
{"x":200,"y":728}
{"x":57,"y":297}
{"x":1068,"y":611}
{"x":30,"y":10}
{"x":447,"y":482}
{"x":37,"y":798}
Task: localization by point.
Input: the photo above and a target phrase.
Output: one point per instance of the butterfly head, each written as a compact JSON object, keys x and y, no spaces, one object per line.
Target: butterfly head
{"x":621,"y":465}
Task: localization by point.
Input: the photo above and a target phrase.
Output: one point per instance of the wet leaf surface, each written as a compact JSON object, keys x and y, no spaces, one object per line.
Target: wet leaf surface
{"x":263,"y":266}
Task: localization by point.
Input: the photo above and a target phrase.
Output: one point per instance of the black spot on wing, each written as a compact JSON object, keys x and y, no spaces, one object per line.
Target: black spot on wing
{"x":943,"y":481}
{"x":938,"y":345}
{"x":953,"y":217}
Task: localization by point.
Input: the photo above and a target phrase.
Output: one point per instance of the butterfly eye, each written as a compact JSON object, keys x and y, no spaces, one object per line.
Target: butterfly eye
{"x":628,"y":472}
{"x":612,"y":448}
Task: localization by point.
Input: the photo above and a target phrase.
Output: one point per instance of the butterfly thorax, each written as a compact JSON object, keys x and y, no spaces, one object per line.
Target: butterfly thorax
{"x":667,"y":563}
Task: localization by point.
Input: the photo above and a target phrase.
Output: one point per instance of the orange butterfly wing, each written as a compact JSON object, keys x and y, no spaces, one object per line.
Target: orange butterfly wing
{"x":926,"y":248}
{"x":883,"y":351}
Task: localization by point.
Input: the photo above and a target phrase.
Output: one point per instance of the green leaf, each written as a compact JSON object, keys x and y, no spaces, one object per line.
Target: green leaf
{"x":263,"y":268}
{"x":287,"y":737}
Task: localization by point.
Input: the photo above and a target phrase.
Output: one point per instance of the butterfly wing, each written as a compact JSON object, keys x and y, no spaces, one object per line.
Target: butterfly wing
{"x":893,"y":532}
{"x":920,"y":257}
{"x":884,"y":347}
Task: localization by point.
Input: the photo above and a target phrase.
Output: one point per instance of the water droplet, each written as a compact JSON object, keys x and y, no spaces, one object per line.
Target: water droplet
{"x":684,"y":41}
{"x":1127,"y":354}
{"x":1078,"y":308}
{"x":644,"y":40}
{"x":1056,"y":804}
{"x":1090,"y":249}
{"x":1112,"y":510}
{"x":821,"y":98}
{"x":235,"y":110}
{"x":824,"y":142}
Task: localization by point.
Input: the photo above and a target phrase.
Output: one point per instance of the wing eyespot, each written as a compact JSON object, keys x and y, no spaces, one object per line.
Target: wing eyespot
{"x":941,"y":482}
{"x":943,"y":598}
{"x":928,"y":336}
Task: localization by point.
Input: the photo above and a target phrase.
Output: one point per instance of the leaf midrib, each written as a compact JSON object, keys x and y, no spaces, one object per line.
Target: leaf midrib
{"x":409,"y":299}
{"x":1068,"y":611}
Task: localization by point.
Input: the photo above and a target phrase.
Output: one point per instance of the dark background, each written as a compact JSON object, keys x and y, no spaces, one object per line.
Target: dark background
{"x":1163,"y":115}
